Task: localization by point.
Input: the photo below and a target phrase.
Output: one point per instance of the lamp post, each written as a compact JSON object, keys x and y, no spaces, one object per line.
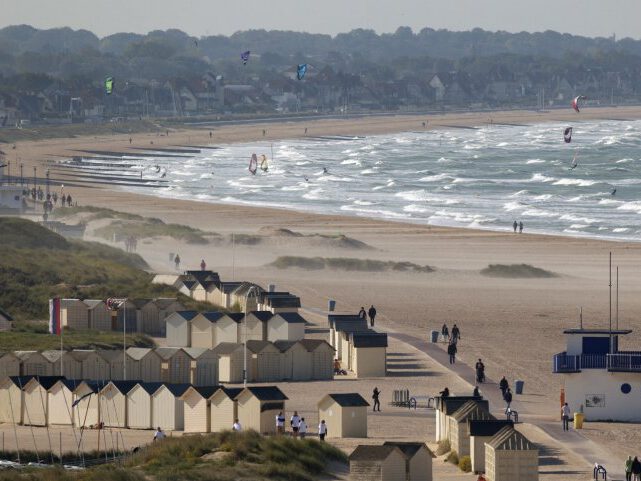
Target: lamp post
{"x":114,"y":303}
{"x":251,"y":290}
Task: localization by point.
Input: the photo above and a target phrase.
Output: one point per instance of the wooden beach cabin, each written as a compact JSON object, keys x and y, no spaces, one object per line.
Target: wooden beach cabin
{"x":264,"y":362}
{"x":377,"y":463}
{"x":34,"y":363}
{"x":446,"y":406}
{"x":345,"y":415}
{"x":203,"y":369}
{"x":6,"y":321}
{"x":258,"y":407}
{"x":230,"y":362}
{"x":9,"y":365}
{"x":165,"y":306}
{"x":113,"y":403}
{"x":36,"y":400}
{"x":368,"y":354}
{"x":211,"y":328}
{"x":418,"y":459}
{"x":139,"y":405}
{"x":12,"y":399}
{"x":254,"y":326}
{"x":144,"y":363}
{"x":197,"y":412}
{"x":74,"y":314}
{"x":322,"y":358}
{"x":87,"y":410}
{"x":459,"y":434}
{"x":99,"y":315}
{"x":286,"y":326}
{"x":296,"y":361}
{"x":510,"y":456}
{"x":481,"y":432}
{"x":178,"y":328}
{"x":61,"y":399}
{"x":224,"y":409}
{"x":167,"y":407}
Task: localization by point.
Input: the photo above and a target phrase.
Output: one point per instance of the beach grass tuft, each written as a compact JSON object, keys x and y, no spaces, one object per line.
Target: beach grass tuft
{"x":347,"y":264}
{"x":516,"y":271}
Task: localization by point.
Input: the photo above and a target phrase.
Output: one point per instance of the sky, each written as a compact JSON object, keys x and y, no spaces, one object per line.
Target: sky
{"x":224,"y":17}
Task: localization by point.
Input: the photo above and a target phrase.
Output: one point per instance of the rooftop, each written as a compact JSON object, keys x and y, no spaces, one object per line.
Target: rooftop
{"x":487,"y":427}
{"x":369,"y":339}
{"x":176,"y":389}
{"x":409,"y":448}
{"x":267,"y":393}
{"x":509,"y":439}
{"x":373,"y":453}
{"x":352,"y":399}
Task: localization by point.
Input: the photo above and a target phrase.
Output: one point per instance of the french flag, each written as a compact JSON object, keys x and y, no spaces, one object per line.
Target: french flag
{"x":54,"y":316}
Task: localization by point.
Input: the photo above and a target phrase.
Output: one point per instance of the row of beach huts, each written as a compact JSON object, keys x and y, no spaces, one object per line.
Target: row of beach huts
{"x":55,"y":400}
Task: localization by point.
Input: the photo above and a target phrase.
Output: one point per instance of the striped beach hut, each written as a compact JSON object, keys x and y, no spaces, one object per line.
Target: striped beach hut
{"x":99,"y":315}
{"x":36,"y":402}
{"x":204,"y":366}
{"x":167,"y":407}
{"x":258,"y":407}
{"x":86,"y":398}
{"x":61,"y":399}
{"x":139,"y":405}
{"x":144,"y":363}
{"x":12,"y":399}
{"x":230,"y":362}
{"x":178,"y":328}
{"x":224,"y":409}
{"x":197,"y":412}
{"x":264,"y":362}
{"x":113,"y":403}
{"x":9,"y":365}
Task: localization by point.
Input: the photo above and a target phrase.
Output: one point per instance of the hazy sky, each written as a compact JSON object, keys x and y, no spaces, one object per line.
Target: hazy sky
{"x":210,"y":17}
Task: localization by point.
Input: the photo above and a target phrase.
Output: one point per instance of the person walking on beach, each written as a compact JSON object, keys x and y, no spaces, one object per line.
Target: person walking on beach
{"x":302,"y":428}
{"x":451,"y":350}
{"x":159,"y":435}
{"x":375,"y":396}
{"x":372,"y":315}
{"x":362,"y":314}
{"x":508,"y":399}
{"x":514,"y":226}
{"x":456,"y":334}
{"x":445,"y":332}
{"x":503,"y":386}
{"x":520,"y":227}
{"x":636,"y":469}
{"x":480,"y":371}
{"x":280,"y":423}
{"x":203,"y":265}
{"x":628,"y":469}
{"x":445,"y":392}
{"x":295,"y":424}
{"x":322,"y":430}
{"x":565,"y":416}
{"x":177,"y":262}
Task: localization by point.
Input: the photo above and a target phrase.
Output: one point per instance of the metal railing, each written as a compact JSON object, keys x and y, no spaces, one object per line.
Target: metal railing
{"x":622,"y":361}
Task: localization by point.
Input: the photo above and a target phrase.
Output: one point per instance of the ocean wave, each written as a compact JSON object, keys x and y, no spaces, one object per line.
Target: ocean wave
{"x":536,"y":161}
{"x":577,"y":182}
{"x":538,"y":177}
{"x":435,"y":178}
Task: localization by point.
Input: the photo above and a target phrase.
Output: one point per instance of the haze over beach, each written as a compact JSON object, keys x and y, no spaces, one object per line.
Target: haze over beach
{"x":427,"y":172}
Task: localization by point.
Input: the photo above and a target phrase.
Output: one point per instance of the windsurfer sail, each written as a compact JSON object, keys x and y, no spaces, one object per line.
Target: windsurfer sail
{"x":567,"y":135}
{"x":576,"y":101}
{"x":263,"y":163}
{"x":574,"y":163}
{"x":253,"y":164}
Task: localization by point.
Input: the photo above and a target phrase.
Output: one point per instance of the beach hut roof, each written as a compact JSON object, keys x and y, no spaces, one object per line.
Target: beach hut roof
{"x":452,"y":404}
{"x":313,"y":344}
{"x":267,"y":393}
{"x":46,"y":381}
{"x":195,"y":352}
{"x":292,"y":317}
{"x":350,"y":325}
{"x":52,"y":355}
{"x":137,"y":353}
{"x":140,"y":303}
{"x":332,"y":318}
{"x":81,"y":354}
{"x":165,"y":302}
{"x":236,"y":316}
{"x":176,"y":389}
{"x":369,"y":339}
{"x":409,"y":448}
{"x":229,"y":287}
{"x":232,"y":392}
{"x":95,"y":386}
{"x":91,"y":303}
{"x":283,"y":301}
{"x":255,"y":346}
{"x":262,"y":316}
{"x":243,"y":289}
{"x":487,"y":427}
{"x":110,"y":355}
{"x":24,"y":355}
{"x":187,"y":315}
{"x":150,"y":387}
{"x":373,"y":453}
{"x":509,"y":439}
{"x":471,"y":410}
{"x":351,"y":399}
{"x":166,"y":352}
{"x":225,"y":348}
{"x":20,"y":381}
{"x":205,"y":392}
{"x":70,"y":384}
{"x":125,"y":386}
{"x":213,"y":316}
{"x":284,"y":346}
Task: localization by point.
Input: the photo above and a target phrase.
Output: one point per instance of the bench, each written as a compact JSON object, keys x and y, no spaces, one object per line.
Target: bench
{"x":599,"y":469}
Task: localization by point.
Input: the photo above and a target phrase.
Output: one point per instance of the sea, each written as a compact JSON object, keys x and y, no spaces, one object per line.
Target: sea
{"x":485,"y":177}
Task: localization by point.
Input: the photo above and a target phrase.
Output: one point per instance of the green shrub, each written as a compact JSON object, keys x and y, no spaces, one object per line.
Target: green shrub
{"x":443,"y":447}
{"x":452,"y":458}
{"x":465,"y":464}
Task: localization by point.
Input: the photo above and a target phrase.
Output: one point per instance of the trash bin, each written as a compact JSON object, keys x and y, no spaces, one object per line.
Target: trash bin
{"x":435,"y":335}
{"x":331,"y":305}
{"x":578,"y":420}
{"x":518,"y":385}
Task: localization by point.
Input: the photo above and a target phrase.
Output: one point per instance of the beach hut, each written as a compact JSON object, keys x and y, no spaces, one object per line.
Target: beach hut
{"x":74,"y":314}
{"x":55,"y":361}
{"x":12,"y":399}
{"x":9,"y":365}
{"x":280,"y":302}
{"x":286,"y":326}
{"x":203,"y":366}
{"x":36,"y":402}
{"x":210,"y":328}
{"x":346,"y":413}
{"x":87,"y":409}
{"x":197,"y":413}
{"x":254,"y":326}
{"x":296,"y":361}
{"x":115,"y":359}
{"x":368,"y":354}
{"x":509,"y":456}
{"x":340,"y":329}
{"x":377,"y":463}
{"x":264,"y":362}
{"x":61,"y":399}
{"x":71,"y":366}
{"x":446,"y":406}
{"x":139,"y":405}
{"x":166,"y":306}
{"x":34,"y":363}
{"x":172,"y":280}
{"x":6,"y":321}
{"x":258,"y":407}
{"x":167,"y":407}
{"x":146,"y":315}
{"x":221,"y":294}
{"x":418,"y":459}
{"x":224,"y":409}
{"x":322,"y":358}
{"x":459,"y":434}
{"x":127,"y":311}
{"x":239,"y":296}
{"x":99,"y":315}
{"x":230,"y":362}
{"x":113,"y":403}
{"x":178,"y":328}
{"x":144,"y":363}
{"x":481,"y":432}
{"x":176,"y":365}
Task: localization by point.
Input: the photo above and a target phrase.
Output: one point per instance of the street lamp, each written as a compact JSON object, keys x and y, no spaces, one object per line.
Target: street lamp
{"x":117,"y":303}
{"x":251,"y":290}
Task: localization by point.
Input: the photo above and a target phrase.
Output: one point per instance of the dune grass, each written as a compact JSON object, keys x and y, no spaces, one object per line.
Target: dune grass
{"x":347,"y":264}
{"x":516,"y":271}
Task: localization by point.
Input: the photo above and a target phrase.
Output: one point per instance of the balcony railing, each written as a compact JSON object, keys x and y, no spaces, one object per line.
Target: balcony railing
{"x":620,"y":362}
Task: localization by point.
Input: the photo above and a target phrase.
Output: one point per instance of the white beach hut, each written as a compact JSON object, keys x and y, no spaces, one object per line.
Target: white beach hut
{"x":113,"y":403}
{"x":204,"y":366}
{"x":178,"y":328}
{"x":87,"y":410}
{"x":34,"y":363}
{"x":167,"y":407}
{"x":286,"y":326}
{"x":197,"y":413}
{"x":258,"y":407}
{"x":265,"y":362}
{"x":140,"y":406}
{"x":12,"y":399}
{"x":144,"y":363}
{"x":74,"y":314}
{"x":322,"y":358}
{"x":254,"y":326}
{"x":230,"y":362}
{"x":36,"y":402}
{"x":9,"y":365}
{"x":61,"y":399}
{"x":95,"y":366}
{"x":99,"y":315}
{"x":224,"y":409}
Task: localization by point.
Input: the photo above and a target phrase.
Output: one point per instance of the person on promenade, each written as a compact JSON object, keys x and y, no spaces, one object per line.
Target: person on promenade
{"x":456,"y":333}
{"x":203,"y":265}
{"x":159,"y":435}
{"x":508,"y":399}
{"x":177,"y":262}
{"x":280,"y":423}
{"x":514,"y":226}
{"x":295,"y":424}
{"x":236,"y":427}
{"x":480,"y":371}
{"x":636,"y":469}
{"x":362,"y":314}
{"x":375,"y":396}
{"x":445,"y":332}
{"x":628,"y":469}
{"x":372,"y":315}
{"x":322,"y":430}
{"x":565,"y":417}
{"x":503,"y":386}
{"x":451,"y":350}
{"x":445,"y":392}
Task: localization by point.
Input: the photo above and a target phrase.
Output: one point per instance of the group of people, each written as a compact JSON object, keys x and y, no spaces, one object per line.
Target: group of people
{"x":518,"y":225}
{"x":371,"y":313}
{"x":504,"y":386}
{"x":131,"y":244}
{"x":298,"y":425}
{"x":633,"y":468}
{"x":452,"y":340}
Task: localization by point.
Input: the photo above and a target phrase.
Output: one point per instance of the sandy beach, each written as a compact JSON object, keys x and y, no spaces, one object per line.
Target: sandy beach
{"x":514,"y":325}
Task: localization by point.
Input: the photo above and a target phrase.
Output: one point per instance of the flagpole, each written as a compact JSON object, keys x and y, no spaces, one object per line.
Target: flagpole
{"x":61,"y":339}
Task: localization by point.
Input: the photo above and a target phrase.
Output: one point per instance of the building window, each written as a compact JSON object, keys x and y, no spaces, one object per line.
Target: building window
{"x":626,"y":388}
